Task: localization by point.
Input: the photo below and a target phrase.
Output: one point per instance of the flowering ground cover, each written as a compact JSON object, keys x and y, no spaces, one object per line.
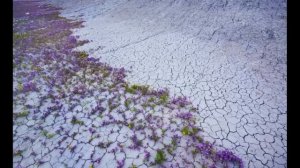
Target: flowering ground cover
{"x":71,"y":110}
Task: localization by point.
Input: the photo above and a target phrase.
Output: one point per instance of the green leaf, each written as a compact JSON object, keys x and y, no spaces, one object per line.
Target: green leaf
{"x":185,"y":130}
{"x":160,"y":157}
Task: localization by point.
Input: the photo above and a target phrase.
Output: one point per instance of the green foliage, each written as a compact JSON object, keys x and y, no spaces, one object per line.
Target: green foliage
{"x":193,"y":109}
{"x":76,"y":121}
{"x":173,"y":142}
{"x":199,"y":138}
{"x":163,"y":132}
{"x":154,"y":137}
{"x":170,"y":150}
{"x":134,"y":109}
{"x":133,"y":166}
{"x":47,"y":135}
{"x":22,"y":114}
{"x":141,"y":88}
{"x":185,"y":130}
{"x":152,"y":106}
{"x":134,"y":88}
{"x":144,"y":105}
{"x":129,"y":89}
{"x":18,"y":153}
{"x":152,"y":99}
{"x":131,"y":125}
{"x":20,"y":36}
{"x":82,"y":55}
{"x":105,"y":74}
{"x":127,"y":103}
{"x":160,"y":157}
{"x":20,"y":87}
{"x":112,"y":107}
{"x":164,"y":98}
{"x":55,"y":16}
{"x":195,"y":130}
{"x":112,"y":85}
{"x":173,"y":146}
{"x":44,"y":132}
{"x":195,"y":151}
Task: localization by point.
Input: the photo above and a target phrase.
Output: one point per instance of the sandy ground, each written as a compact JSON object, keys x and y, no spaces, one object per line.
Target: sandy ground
{"x":228,"y":57}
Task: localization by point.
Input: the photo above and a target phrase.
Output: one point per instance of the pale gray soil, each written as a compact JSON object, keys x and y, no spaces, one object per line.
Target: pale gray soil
{"x":228,"y":57}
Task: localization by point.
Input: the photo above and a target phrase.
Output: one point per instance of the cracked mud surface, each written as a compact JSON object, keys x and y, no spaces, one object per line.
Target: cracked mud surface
{"x":229,"y":58}
{"x":71,"y":110}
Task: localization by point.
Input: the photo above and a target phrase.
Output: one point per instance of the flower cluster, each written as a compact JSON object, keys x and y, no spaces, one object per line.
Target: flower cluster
{"x":98,"y":108}
{"x":79,"y":90}
{"x":181,"y":101}
{"x":92,"y":131}
{"x":185,"y":116}
{"x":228,"y":156}
{"x":205,"y":148}
{"x":136,"y":143}
{"x":114,"y":150}
{"x":146,"y":155}
{"x":27,"y":87}
{"x":119,"y":75}
{"x":121,"y":163}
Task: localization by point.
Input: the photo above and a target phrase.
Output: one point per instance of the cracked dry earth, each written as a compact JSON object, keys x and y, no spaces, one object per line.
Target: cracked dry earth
{"x":71,"y":110}
{"x":227,"y":57}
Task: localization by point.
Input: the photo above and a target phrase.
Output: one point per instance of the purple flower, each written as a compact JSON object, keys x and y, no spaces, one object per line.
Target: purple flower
{"x":71,"y":39}
{"x":121,"y":163}
{"x":32,"y":75}
{"x":45,"y":115}
{"x":185,"y":116}
{"x":212,"y":166}
{"x":175,"y":139}
{"x":228,"y":156}
{"x":79,"y":90}
{"x":91,"y":59}
{"x":147,"y":155}
{"x":104,"y":123}
{"x":136,"y":142}
{"x":109,"y":68}
{"x":55,"y":107}
{"x":181,"y":101}
{"x":114,"y":150}
{"x":29,"y":87}
{"x":148,"y":118}
{"x":92,"y":131}
{"x":161,"y":92}
{"x":205,"y":148}
{"x":98,"y":160}
{"x":110,"y":117}
{"x":119,"y":75}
